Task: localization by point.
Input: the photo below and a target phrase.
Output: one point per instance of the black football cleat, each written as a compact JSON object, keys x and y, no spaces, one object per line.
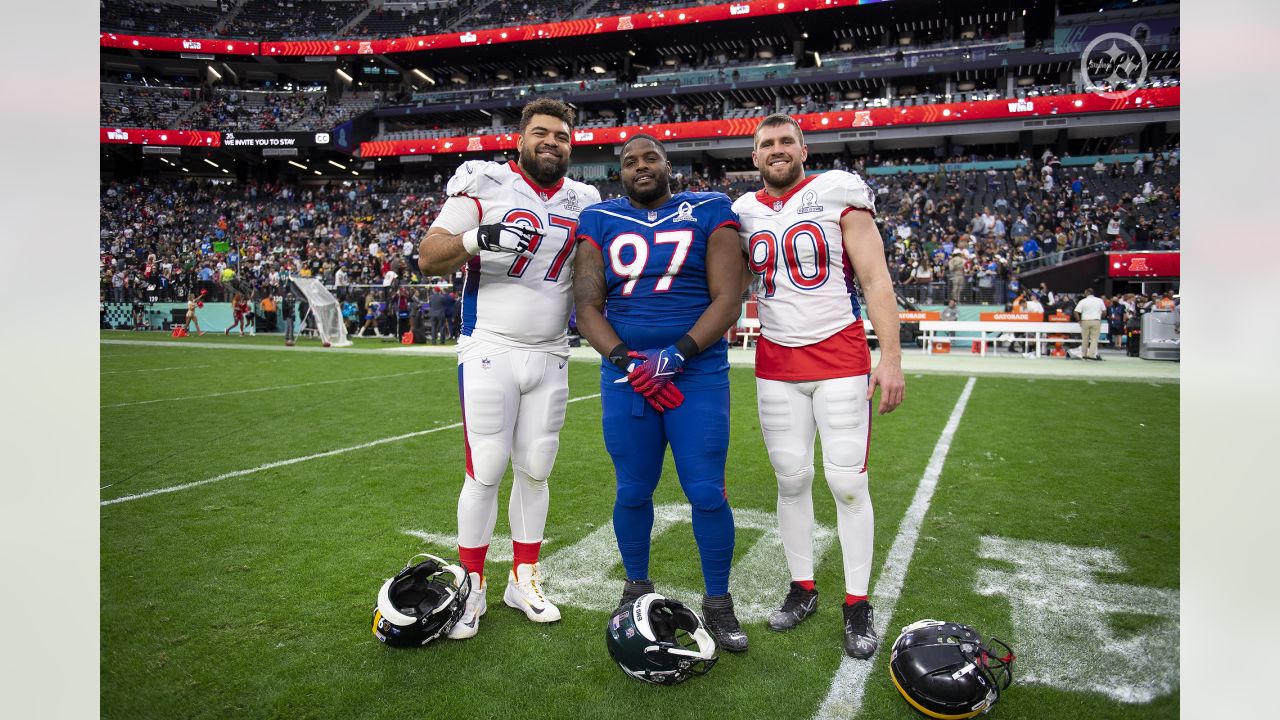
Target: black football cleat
{"x":723,"y":624}
{"x":798,"y":605}
{"x":632,"y":591}
{"x":860,"y":640}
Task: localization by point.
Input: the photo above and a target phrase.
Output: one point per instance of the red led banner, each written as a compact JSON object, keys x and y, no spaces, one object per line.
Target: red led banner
{"x":568,"y":28}
{"x":178,"y":45}
{"x":139,"y":136}
{"x":1144,"y":264}
{"x":812,"y":122}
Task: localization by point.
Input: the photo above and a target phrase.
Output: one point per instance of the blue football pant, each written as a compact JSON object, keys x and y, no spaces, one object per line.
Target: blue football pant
{"x":636,"y":437}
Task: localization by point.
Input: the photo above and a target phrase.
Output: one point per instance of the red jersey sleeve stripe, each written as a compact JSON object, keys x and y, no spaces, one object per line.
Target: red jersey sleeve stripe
{"x":479,"y":207}
{"x":728,"y":223}
{"x":588,"y":238}
{"x":850,"y":209}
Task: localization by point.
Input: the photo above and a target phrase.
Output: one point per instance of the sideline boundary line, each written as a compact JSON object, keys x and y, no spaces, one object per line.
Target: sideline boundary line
{"x":844,"y":699}
{"x":295,"y":460}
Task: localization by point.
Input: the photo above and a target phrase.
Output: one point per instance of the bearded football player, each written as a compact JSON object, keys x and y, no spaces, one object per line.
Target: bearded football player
{"x":807,"y":239}
{"x":513,"y":225}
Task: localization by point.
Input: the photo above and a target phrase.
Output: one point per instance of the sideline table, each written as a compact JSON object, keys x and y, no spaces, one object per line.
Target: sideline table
{"x":1036,"y":332}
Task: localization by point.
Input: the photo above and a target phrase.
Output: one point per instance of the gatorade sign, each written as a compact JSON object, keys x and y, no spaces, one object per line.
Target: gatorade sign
{"x":1011,"y":317}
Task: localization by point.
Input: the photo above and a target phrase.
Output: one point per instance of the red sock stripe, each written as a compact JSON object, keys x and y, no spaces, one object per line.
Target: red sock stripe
{"x":473,"y":558}
{"x":853,"y":599}
{"x":524,"y":553}
{"x":806,"y":584}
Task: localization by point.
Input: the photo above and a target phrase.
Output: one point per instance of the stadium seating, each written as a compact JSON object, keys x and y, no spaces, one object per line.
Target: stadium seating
{"x":293,"y":19}
{"x":153,"y":17}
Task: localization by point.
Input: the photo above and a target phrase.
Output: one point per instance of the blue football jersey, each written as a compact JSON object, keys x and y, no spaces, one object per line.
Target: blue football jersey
{"x":655,"y":267}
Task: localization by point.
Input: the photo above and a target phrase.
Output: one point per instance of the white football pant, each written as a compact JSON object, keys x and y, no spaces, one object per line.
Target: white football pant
{"x":838,"y":409}
{"x":513,"y":404}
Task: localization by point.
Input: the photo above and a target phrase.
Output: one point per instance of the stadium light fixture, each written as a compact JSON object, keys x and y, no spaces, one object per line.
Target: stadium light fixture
{"x":298,"y":165}
{"x":338,"y":165}
{"x":211,"y":162}
{"x":353,"y":172}
{"x":342,"y":74}
{"x":316,"y":172}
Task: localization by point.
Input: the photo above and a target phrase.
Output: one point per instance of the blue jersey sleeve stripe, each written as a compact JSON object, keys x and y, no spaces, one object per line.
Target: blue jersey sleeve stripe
{"x":470,"y":295}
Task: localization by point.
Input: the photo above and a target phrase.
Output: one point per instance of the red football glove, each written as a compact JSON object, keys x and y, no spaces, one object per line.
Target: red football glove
{"x":658,"y":390}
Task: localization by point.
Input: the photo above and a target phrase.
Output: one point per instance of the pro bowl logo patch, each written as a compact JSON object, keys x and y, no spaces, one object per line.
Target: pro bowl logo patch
{"x":571,"y":201}
{"x":684,"y":213}
{"x":810,"y":203}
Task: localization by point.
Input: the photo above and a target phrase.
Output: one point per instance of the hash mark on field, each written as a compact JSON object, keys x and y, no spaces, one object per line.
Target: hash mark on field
{"x":844,"y":699}
{"x":267,"y":389}
{"x":292,"y":461}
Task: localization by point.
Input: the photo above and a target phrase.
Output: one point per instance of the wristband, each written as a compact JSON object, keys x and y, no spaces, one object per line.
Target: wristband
{"x":687,"y":347}
{"x":620,"y":357}
{"x":471,"y":241}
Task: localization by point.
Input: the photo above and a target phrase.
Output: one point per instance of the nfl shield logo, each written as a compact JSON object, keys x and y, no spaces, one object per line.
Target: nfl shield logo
{"x":777,"y":205}
{"x":653,"y":215}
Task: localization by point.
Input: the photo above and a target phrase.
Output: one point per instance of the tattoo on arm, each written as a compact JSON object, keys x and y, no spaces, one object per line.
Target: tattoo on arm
{"x":588,"y":279}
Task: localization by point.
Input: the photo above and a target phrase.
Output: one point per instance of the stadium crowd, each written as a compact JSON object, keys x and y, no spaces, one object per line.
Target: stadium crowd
{"x":952,"y":234}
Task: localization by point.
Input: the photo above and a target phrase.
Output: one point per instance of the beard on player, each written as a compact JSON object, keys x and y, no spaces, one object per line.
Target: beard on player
{"x":647,"y":183}
{"x":780,"y":169}
{"x":544,"y":161}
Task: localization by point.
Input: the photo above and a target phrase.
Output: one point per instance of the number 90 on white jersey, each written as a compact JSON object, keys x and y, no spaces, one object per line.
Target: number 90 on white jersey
{"x":795,"y":246}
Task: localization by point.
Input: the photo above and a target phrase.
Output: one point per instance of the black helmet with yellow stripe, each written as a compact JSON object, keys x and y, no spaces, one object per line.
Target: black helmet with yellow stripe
{"x":944,"y":670}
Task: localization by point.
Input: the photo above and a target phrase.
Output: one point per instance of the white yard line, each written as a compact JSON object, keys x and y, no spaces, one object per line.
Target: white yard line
{"x":274,"y":387}
{"x":180,"y":367}
{"x":844,"y":699}
{"x":292,"y":461}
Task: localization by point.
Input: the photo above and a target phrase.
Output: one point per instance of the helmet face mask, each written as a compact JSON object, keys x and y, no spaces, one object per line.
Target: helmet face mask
{"x":944,"y":669}
{"x":661,"y":641}
{"x":421,"y":603}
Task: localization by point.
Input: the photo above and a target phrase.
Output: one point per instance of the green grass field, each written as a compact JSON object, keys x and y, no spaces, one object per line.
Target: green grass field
{"x":1054,"y":526}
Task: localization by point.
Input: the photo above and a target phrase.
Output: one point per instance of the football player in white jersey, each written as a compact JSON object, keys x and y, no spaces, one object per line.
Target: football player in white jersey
{"x":807,"y":238}
{"x":513,"y":226}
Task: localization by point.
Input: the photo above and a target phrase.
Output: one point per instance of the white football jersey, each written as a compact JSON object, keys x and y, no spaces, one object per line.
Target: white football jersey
{"x":795,"y":246}
{"x":508,"y":299}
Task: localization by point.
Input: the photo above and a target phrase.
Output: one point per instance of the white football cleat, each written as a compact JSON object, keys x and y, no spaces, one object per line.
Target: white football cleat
{"x":524,"y":593}
{"x":469,"y":624}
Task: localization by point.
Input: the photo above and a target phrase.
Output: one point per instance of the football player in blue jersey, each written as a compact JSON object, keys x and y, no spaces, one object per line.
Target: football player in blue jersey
{"x":669,"y":269}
